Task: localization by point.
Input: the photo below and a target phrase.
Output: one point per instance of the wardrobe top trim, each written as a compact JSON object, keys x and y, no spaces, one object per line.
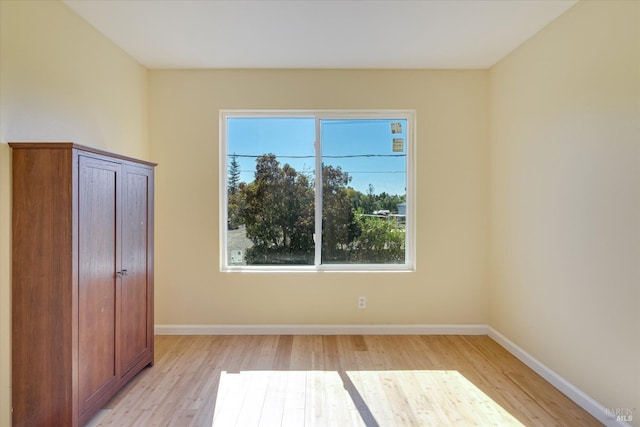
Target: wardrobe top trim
{"x":73,"y":145}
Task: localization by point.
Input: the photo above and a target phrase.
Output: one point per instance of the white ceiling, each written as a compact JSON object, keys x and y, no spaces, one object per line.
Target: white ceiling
{"x":318,"y":33}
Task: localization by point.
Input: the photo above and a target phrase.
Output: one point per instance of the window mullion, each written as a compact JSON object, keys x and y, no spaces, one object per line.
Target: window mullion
{"x":318,"y":195}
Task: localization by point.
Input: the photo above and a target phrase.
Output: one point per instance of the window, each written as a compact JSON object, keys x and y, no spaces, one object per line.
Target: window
{"x":330,"y":190}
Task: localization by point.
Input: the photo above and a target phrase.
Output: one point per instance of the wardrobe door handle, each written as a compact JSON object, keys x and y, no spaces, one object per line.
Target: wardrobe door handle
{"x":125,"y":273}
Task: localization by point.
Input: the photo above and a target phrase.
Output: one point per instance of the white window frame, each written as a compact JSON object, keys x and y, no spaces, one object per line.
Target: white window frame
{"x":318,"y":115}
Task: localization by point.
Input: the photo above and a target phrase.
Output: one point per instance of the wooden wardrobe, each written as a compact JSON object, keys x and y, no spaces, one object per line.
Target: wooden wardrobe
{"x":82,"y":279}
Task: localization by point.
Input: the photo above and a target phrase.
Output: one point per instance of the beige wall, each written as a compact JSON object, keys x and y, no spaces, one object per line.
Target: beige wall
{"x":565,"y":199}
{"x":60,"y":80}
{"x":449,"y":286}
{"x":536,"y":160}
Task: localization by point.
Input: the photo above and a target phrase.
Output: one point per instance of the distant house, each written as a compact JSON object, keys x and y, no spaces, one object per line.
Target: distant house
{"x":402,"y":208}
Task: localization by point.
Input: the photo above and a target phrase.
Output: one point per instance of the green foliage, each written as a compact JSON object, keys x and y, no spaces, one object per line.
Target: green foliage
{"x":380,"y":241}
{"x":371,"y":202}
{"x":337,"y":214}
{"x":233,"y":180}
{"x":277,"y":208}
{"x":234,"y":209}
{"x":234,"y":199}
{"x":278,"y":213}
{"x":388,"y":202}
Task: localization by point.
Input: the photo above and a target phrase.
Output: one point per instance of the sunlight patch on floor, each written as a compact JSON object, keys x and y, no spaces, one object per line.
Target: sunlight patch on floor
{"x":354,"y":398}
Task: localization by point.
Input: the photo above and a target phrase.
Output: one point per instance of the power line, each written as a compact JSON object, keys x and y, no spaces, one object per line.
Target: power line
{"x":324,"y":157}
{"x":253,"y":170}
{"x":364,"y":155}
{"x":375,"y":171}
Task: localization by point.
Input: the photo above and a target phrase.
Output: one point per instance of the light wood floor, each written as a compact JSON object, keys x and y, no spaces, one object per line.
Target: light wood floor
{"x":338,"y":381}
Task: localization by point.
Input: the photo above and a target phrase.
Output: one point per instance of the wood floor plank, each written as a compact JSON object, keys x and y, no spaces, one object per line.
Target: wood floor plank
{"x":370,"y":384}
{"x":372,"y":381}
{"x":282,"y":359}
{"x":273,"y":408}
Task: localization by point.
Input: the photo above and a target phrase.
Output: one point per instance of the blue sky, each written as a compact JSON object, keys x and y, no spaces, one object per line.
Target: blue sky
{"x":363,"y":148}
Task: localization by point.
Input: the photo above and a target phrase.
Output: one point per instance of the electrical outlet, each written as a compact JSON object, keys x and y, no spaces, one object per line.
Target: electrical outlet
{"x":362,"y":302}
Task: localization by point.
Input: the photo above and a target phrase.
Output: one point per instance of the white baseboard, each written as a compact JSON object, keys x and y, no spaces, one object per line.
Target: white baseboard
{"x":578,"y":396}
{"x":321,"y":329}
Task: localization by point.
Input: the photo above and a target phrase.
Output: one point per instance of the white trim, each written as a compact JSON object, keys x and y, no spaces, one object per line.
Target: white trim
{"x":574,"y":393}
{"x":222,"y":190}
{"x":317,"y":234}
{"x":409,"y":115}
{"x":321,"y":329}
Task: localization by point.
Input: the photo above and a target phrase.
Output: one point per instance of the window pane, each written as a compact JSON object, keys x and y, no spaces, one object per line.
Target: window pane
{"x":364,"y":173}
{"x":270,"y":191}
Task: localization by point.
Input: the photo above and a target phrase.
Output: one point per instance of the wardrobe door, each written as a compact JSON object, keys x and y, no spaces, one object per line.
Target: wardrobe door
{"x":98,"y":233}
{"x":136,"y":304}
